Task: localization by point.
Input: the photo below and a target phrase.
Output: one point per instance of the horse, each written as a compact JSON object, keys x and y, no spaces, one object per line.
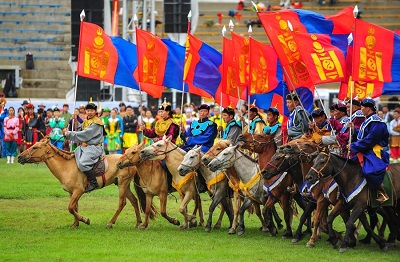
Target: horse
{"x":152,"y":180}
{"x":234,"y":181}
{"x":348,"y":175}
{"x":265,"y":147}
{"x":63,"y":166}
{"x":217,"y":184}
{"x":164,"y":149}
{"x":298,"y":156}
{"x":250,"y":178}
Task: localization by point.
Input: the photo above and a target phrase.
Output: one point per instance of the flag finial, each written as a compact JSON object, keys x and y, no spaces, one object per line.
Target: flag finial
{"x":254,"y":7}
{"x":82,"y":15}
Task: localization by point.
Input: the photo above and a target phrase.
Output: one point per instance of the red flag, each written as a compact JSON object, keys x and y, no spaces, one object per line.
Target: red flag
{"x":152,"y":59}
{"x":241,"y":47}
{"x":343,"y":21}
{"x":224,"y":99}
{"x":97,"y":56}
{"x":282,"y":39}
{"x":373,"y":53}
{"x":263,"y":66}
{"x":325,"y":62}
{"x":229,"y":80}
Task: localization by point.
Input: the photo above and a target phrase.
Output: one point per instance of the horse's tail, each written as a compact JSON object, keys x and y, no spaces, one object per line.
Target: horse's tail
{"x":142,"y":198}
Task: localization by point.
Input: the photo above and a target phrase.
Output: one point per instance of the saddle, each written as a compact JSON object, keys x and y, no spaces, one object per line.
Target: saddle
{"x":101,"y":167}
{"x":388,"y":185}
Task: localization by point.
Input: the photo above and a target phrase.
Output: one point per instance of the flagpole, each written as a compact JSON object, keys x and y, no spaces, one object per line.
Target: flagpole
{"x":189,"y":17}
{"x":223,"y":31}
{"x":82,"y":17}
{"x":250,"y":32}
{"x":349,"y":40}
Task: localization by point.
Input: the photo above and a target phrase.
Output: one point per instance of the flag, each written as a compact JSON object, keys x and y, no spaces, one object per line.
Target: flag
{"x":225,"y":100}
{"x":325,"y":62}
{"x":202,"y":66}
{"x":241,"y":47}
{"x":263,"y":68}
{"x":229,"y":81}
{"x":373,"y":51}
{"x":105,"y":59}
{"x":115,"y":18}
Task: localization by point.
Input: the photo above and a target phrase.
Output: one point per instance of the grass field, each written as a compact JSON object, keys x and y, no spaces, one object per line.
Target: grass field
{"x":34,"y":226}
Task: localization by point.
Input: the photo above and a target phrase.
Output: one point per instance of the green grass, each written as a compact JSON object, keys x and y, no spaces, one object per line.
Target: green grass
{"x":34,"y":226}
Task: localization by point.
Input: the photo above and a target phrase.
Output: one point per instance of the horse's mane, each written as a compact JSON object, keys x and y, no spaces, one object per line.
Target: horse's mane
{"x":248,"y":157}
{"x":350,"y":160}
{"x":224,"y":142}
{"x":65,"y":154}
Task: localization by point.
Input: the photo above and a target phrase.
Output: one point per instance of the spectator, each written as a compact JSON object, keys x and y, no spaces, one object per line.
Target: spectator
{"x":24,"y":104}
{"x":73,"y":125}
{"x":57,"y":123}
{"x":11,"y":127}
{"x":238,"y":16}
{"x":113,"y":130}
{"x":33,"y":126}
{"x":66,"y":114}
{"x":130,"y":122}
{"x":240,"y":5}
{"x":3,"y":115}
{"x":122,"y":109}
{"x":20,"y":142}
{"x":149,"y":123}
{"x":82,"y":112}
{"x":394,"y":131}
{"x":219,"y":15}
{"x":49,"y":116}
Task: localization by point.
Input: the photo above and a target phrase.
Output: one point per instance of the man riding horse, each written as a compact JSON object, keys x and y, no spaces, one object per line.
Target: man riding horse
{"x":370,"y":139}
{"x":91,"y":137}
{"x":232,"y":129}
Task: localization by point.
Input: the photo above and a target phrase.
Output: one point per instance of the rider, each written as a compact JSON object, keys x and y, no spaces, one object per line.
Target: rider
{"x":232,"y":129}
{"x":370,"y":139}
{"x":90,"y":150}
{"x":320,"y":126}
{"x":257,"y":124}
{"x":201,"y":132}
{"x":297,"y":124}
{"x":164,"y":126}
{"x":273,"y":125}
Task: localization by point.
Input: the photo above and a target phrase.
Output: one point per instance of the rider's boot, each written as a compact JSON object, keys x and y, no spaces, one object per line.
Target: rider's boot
{"x":381,"y":192}
{"x":92,"y":180}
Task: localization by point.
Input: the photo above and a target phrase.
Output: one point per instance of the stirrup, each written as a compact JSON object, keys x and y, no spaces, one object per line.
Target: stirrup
{"x":384,"y":197}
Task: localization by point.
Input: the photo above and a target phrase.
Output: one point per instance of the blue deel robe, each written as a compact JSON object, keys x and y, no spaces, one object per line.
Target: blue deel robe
{"x":370,"y":140}
{"x":201,"y":132}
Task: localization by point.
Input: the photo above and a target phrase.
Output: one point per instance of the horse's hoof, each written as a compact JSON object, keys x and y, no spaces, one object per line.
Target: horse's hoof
{"x":273,"y":232}
{"x":176,"y":222}
{"x":217,"y":226}
{"x":232,"y":231}
{"x":87,"y":222}
{"x":343,"y":249}
{"x":365,"y":241}
{"x":265,"y":230}
{"x":109,"y":226}
{"x":207,"y":229}
{"x":142,"y":227}
{"x":310,"y":245}
{"x":241,"y":232}
{"x":295,"y":240}
{"x":390,"y":244}
{"x":183,"y":227}
{"x":73,"y":226}
{"x":385,"y":248}
{"x":193,"y":224}
{"x":280,"y":226}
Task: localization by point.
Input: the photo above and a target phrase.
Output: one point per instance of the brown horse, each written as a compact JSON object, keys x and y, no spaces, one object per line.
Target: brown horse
{"x":265,"y":147}
{"x":153,"y":181}
{"x":234,"y":181}
{"x":348,"y":175}
{"x":319,"y":195}
{"x":164,"y":149}
{"x":63,"y":166}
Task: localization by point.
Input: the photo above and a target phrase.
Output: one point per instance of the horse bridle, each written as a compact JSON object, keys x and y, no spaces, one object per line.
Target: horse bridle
{"x":228,"y":160}
{"x":197,"y":166}
{"x":156,"y":150}
{"x":319,"y":172}
{"x":130,"y":162}
{"x":278,"y":168}
{"x":41,"y":158}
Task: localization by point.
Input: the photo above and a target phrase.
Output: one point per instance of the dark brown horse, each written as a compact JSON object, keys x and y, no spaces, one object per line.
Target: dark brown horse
{"x":264,"y":146}
{"x":348,"y":175}
{"x":299,"y":156}
{"x":63,"y":166}
{"x":153,"y":181}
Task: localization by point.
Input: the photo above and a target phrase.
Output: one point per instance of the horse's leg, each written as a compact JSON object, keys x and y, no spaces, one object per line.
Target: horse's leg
{"x":183,"y":209}
{"x":338,"y":209}
{"x":276,"y":217}
{"x":215,"y":201}
{"x":122,"y":190}
{"x":381,"y":242}
{"x":149,"y":200}
{"x":201,"y":214}
{"x":227,"y":206}
{"x":287,"y":213}
{"x":321,"y":207}
{"x":303,"y":205}
{"x":134,"y":202}
{"x":220,"y":217}
{"x":269,"y":221}
{"x":236,"y":200}
{"x":246,"y":204}
{"x":73,"y":209}
{"x":393,"y":223}
{"x":257,"y":209}
{"x":163,"y":209}
{"x":307,"y":212}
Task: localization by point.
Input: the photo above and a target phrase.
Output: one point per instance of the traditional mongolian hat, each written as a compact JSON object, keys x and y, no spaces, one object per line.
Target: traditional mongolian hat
{"x":318,"y":112}
{"x":355,"y":102}
{"x":204,"y":106}
{"x":341,"y":107}
{"x":229,"y":110}
{"x":253,"y":107}
{"x":292,"y":96}
{"x":368,"y":102}
{"x":273,"y":110}
{"x":91,"y":105}
{"x":30,"y":105}
{"x":165,"y":106}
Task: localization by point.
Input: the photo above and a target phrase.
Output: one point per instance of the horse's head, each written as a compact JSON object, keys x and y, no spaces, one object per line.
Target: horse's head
{"x":278,"y":163}
{"x":131,"y":157}
{"x":306,"y":150}
{"x":191,"y":161}
{"x":320,"y":169}
{"x":214,"y":151}
{"x":223,"y":160}
{"x":256,"y":142}
{"x":158,"y":150}
{"x":36,"y":153}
